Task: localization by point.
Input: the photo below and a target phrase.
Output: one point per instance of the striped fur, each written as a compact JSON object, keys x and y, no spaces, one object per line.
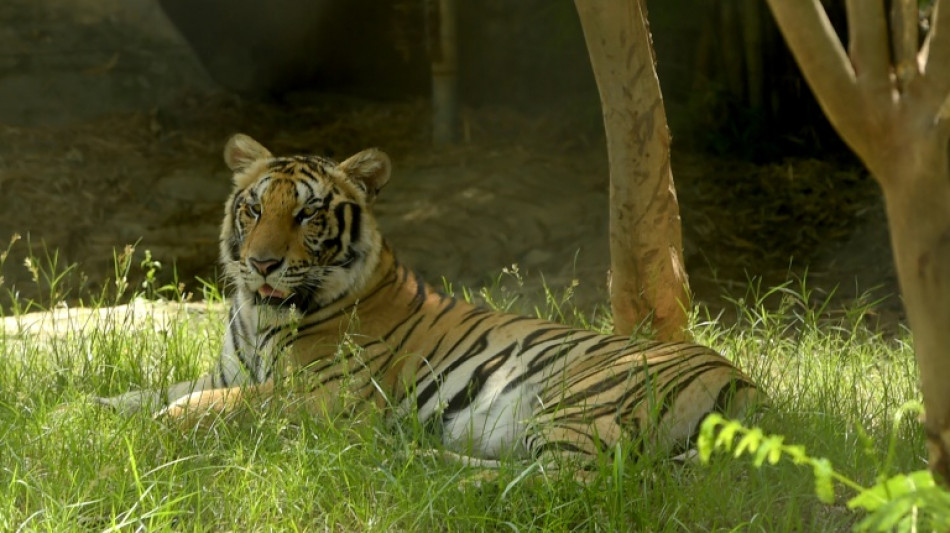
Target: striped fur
{"x":318,"y":293}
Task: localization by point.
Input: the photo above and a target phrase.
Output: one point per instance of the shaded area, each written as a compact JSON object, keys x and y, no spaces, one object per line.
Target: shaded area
{"x":116,"y":133}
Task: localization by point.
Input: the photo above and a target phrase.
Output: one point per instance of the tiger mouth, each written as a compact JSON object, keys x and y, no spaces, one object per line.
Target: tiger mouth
{"x":267,"y":295}
{"x":266,"y":291}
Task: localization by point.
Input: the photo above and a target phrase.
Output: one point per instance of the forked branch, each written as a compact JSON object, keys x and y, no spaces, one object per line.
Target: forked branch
{"x":822,"y":59}
{"x":896,"y":121}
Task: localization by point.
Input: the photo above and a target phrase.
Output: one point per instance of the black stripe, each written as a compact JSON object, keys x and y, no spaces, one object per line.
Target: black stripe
{"x":335,"y":242}
{"x":593,"y":390}
{"x":301,"y":330}
{"x":234,"y":242}
{"x":592,"y":368}
{"x":722,"y":401}
{"x":478,"y":345}
{"x":420,"y":296}
{"x":263,"y":181}
{"x":566,"y":445}
{"x":653,"y":377}
{"x":386,"y":336}
{"x":310,"y":189}
{"x":280,"y":162}
{"x":427,"y":358}
{"x":606,"y":341}
{"x":234,"y":246}
{"x":542,"y":361}
{"x":583,"y":414}
{"x":464,"y":397}
{"x":681,"y":382}
{"x":387,"y":352}
{"x":511,"y":319}
{"x":406,"y":335}
{"x":221,"y":374}
{"x":239,"y":353}
{"x":529,"y":340}
{"x":728,"y":393}
{"x":355,"y":222}
{"x":271,"y":332}
{"x":242,"y":336}
{"x":306,"y":172}
{"x":446,"y":309}
{"x":273,"y":364}
{"x":390,"y":353}
{"x":475,"y":312}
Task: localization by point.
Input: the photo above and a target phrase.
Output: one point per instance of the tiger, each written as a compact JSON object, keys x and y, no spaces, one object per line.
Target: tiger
{"x":318,"y":292}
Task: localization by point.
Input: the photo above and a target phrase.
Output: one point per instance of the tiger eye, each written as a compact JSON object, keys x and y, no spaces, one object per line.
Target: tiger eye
{"x":254,"y":209}
{"x":306,"y":213}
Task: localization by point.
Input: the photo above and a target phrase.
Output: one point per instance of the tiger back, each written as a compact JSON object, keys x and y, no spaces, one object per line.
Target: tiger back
{"x":318,"y":293}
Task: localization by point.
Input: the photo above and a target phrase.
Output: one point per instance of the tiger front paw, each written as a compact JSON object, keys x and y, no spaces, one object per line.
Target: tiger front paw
{"x":129,"y":403}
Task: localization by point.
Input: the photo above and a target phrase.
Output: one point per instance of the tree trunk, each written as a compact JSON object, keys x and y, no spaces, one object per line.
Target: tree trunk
{"x":646,"y":260}
{"x":894,"y":114}
{"x":917,"y":195}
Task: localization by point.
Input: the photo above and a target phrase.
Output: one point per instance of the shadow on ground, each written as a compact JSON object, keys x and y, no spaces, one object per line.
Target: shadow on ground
{"x":111,"y":135}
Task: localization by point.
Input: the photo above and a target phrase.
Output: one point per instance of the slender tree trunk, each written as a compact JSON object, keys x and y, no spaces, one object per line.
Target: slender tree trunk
{"x":753,"y":32}
{"x":647,"y":274}
{"x":443,"y":49}
{"x":891,"y":104}
{"x":731,"y":48}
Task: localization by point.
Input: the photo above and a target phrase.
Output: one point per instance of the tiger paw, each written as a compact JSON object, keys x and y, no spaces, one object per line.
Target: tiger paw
{"x":129,"y":403}
{"x":199,"y":410}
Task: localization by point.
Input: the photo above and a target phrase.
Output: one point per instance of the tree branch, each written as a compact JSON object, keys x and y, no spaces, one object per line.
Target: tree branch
{"x":826,"y":67}
{"x":867,"y":46}
{"x":904,"y":41}
{"x":937,"y":69}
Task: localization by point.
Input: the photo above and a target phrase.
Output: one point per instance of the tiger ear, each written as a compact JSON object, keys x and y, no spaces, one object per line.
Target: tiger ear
{"x":241,"y":151}
{"x":369,"y":169}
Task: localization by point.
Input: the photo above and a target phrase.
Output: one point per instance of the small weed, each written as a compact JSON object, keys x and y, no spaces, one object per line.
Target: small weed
{"x":901,"y":502}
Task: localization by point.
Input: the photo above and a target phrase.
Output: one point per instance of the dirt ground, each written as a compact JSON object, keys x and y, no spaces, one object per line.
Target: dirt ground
{"x":111,"y":134}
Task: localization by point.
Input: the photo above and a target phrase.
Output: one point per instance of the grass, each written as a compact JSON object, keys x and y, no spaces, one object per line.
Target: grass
{"x":66,"y":465}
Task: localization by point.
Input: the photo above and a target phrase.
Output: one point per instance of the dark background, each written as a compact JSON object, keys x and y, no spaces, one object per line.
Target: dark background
{"x":113,"y":115}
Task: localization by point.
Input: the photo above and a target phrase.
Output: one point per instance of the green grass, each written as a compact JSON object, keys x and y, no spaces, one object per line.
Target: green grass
{"x":835,"y":387}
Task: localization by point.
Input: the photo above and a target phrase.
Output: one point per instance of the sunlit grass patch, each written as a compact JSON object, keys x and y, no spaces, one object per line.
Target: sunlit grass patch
{"x":67,"y":464}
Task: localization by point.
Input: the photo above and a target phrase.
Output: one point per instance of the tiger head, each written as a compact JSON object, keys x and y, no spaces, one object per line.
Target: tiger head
{"x":298,"y":230}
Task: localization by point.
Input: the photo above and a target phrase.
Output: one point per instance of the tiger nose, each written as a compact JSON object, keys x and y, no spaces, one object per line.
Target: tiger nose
{"x":265,"y":266}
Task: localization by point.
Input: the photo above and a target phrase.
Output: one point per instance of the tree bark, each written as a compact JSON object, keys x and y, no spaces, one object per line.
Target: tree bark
{"x":918,"y":210}
{"x":443,"y":49}
{"x":753,"y":32}
{"x":895,"y":117}
{"x":647,"y":274}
